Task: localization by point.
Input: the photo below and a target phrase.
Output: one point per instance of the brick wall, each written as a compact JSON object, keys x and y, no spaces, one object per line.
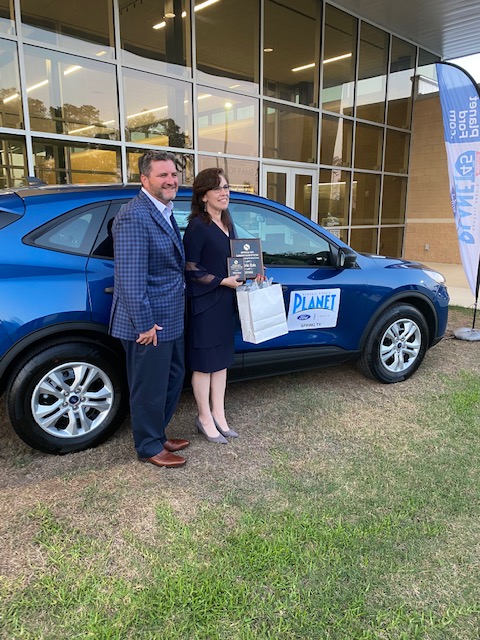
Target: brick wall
{"x":429,"y":211}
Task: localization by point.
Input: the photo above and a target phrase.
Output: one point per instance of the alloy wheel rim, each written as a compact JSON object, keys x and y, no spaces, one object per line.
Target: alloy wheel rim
{"x":400,"y":345}
{"x":72,"y":400}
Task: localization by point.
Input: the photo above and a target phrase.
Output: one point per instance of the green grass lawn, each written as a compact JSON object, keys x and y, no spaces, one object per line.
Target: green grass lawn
{"x":361,"y":522}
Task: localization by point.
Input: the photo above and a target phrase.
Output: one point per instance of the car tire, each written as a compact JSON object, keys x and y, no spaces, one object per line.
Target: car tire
{"x":68,"y":396}
{"x":396,"y":345}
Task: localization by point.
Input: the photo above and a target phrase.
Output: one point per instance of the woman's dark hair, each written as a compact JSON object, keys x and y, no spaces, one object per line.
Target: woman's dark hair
{"x":205,"y":181}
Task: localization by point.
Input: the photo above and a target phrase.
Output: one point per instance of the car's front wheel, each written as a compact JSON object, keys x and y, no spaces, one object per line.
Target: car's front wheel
{"x":67,"y":396}
{"x":396,"y":344}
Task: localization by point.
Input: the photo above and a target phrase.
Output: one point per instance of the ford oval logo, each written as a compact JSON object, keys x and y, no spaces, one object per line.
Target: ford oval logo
{"x":303,"y":316}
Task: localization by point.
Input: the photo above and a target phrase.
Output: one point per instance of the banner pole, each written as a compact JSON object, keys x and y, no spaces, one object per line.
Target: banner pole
{"x":477,"y":287}
{"x":460,"y":103}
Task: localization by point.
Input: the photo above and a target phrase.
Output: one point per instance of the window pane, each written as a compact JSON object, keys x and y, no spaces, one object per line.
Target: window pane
{"x":154,"y":42}
{"x":333,"y":198}
{"x":289,"y":133}
{"x":400,"y":84}
{"x":227,"y":123}
{"x":11,"y":114}
{"x":336,"y":141}
{"x":366,"y":198}
{"x":368,"y":147}
{"x":84,"y":27}
{"x":158,"y":110}
{"x":341,"y":234}
{"x":339,"y":61}
{"x":291,"y":41}
{"x":277,"y":186}
{"x":13,"y":161}
{"x":396,"y":151}
{"x":57,"y":163}
{"x":183,"y":161}
{"x":391,"y":241}
{"x":242,"y":174}
{"x":227,"y":42}
{"x":364,"y":240}
{"x":71,"y":95}
{"x":394,"y":200}
{"x":303,"y":194}
{"x":372,"y":73}
{"x":426,"y":76}
{"x":6,"y":17}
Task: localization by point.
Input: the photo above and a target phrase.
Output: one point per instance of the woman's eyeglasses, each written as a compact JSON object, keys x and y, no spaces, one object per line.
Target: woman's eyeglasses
{"x":225,"y":187}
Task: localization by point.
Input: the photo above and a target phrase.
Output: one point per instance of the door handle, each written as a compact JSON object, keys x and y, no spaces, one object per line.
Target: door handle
{"x":108,"y":290}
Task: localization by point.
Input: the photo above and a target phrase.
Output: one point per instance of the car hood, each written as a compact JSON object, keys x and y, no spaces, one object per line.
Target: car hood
{"x":394,"y":263}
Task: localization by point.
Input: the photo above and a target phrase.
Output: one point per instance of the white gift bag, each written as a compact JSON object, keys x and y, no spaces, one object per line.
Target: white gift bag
{"x":262,"y":313}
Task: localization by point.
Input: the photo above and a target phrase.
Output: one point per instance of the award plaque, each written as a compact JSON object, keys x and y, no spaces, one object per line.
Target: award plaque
{"x":236,"y":267}
{"x":250,"y":249}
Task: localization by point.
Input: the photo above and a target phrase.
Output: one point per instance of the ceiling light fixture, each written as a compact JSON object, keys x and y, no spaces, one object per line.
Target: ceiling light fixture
{"x":305,"y":66}
{"x":205,"y":4}
{"x":71,"y":69}
{"x":336,"y":58}
{"x":312,"y":64}
{"x":199,"y":7}
{"x":163,"y":24}
{"x":37,"y":86}
{"x":141,"y":113}
{"x":10,"y":98}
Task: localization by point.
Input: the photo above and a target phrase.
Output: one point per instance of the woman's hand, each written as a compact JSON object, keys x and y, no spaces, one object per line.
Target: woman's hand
{"x":231,"y":282}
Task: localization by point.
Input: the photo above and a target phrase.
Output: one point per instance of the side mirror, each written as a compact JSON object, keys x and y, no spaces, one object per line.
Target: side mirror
{"x":346,"y":259}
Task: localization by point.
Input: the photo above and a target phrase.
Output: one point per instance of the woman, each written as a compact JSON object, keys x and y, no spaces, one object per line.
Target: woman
{"x":211,"y":303}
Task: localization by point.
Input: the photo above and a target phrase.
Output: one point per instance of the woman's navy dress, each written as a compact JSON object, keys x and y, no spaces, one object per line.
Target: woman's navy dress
{"x":210,"y":306}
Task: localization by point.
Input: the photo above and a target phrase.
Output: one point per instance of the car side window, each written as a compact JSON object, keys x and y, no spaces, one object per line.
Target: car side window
{"x":285,"y":241}
{"x":181,"y":211}
{"x":73,"y":232}
{"x":103,"y":247}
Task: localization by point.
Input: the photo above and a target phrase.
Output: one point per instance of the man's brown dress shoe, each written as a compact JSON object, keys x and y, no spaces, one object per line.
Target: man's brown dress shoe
{"x":165,"y":459}
{"x":175,"y":445}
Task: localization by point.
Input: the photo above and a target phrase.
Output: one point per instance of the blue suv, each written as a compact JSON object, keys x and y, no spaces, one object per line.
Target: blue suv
{"x":63,"y":374}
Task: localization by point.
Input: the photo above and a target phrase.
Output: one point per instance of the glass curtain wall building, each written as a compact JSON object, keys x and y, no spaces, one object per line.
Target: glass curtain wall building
{"x":298,"y":101}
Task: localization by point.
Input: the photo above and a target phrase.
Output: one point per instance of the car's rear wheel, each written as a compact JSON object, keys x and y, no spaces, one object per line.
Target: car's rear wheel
{"x":67,"y":396}
{"x":396,"y":344}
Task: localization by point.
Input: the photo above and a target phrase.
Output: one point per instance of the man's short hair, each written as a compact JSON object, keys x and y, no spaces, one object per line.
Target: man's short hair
{"x":146,"y":159}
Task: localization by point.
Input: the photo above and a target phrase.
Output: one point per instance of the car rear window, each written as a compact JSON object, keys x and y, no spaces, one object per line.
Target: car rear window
{"x":73,"y":232}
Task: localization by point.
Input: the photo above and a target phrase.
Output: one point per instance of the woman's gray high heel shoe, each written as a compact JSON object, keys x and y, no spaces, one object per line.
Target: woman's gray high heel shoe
{"x":225,"y":432}
{"x":200,"y":429}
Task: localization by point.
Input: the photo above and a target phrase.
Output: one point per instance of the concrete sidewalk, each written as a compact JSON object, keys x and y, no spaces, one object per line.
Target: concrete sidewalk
{"x":457,"y":283}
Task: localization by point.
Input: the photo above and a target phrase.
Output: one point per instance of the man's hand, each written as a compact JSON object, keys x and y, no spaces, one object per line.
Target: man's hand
{"x":150,"y":336}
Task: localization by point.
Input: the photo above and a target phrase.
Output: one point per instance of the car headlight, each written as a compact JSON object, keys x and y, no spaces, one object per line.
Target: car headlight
{"x":435,"y":275}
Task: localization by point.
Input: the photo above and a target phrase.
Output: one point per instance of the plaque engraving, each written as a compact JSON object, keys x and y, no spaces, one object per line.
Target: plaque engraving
{"x":250,"y":249}
{"x":236,"y":267}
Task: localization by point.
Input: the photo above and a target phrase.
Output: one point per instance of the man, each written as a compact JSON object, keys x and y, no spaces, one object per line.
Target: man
{"x":148,"y":307}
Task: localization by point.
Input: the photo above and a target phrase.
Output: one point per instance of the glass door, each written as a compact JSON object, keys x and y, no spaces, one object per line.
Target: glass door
{"x":296,"y":188}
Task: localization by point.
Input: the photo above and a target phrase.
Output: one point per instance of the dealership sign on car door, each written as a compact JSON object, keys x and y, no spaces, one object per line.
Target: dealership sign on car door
{"x":313,"y":309}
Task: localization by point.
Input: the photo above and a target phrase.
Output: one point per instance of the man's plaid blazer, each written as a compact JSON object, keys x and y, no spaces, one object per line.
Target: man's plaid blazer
{"x":149,"y":273}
